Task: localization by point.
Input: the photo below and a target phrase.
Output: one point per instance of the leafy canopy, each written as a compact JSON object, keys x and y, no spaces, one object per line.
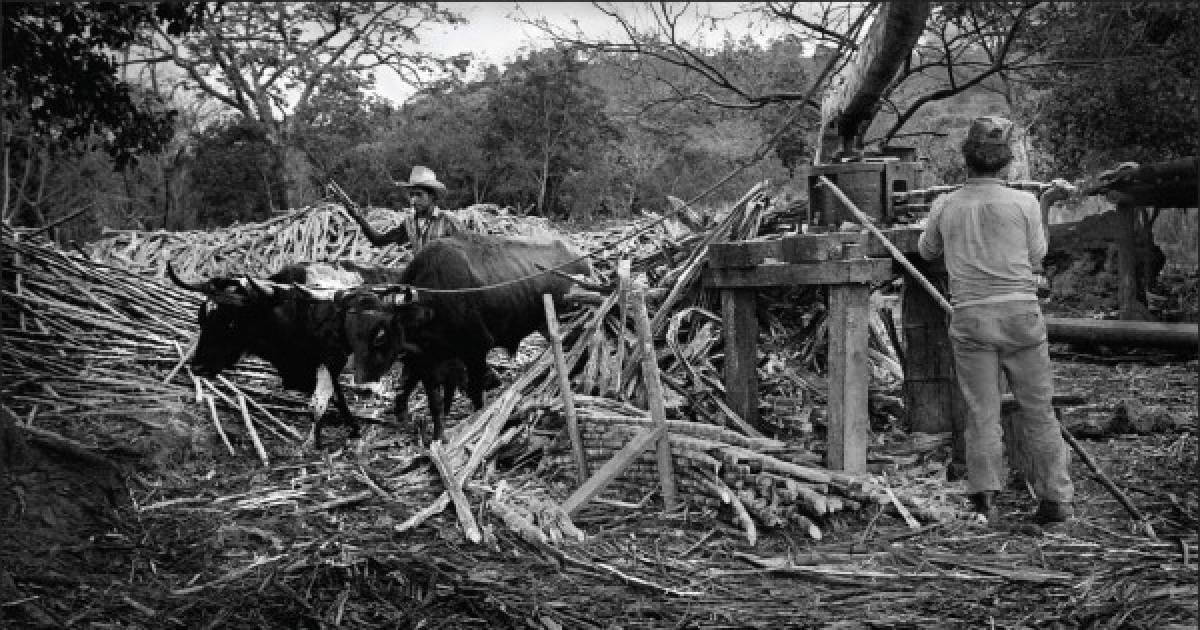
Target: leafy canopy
{"x":60,"y":76}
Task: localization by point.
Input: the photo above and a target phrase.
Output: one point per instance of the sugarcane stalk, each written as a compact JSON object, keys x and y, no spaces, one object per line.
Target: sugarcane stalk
{"x":454,"y":489}
{"x":212,"y":410}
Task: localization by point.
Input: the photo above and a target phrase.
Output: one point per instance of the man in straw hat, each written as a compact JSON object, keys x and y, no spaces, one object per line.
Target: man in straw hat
{"x":993,"y":238}
{"x":423,"y":222}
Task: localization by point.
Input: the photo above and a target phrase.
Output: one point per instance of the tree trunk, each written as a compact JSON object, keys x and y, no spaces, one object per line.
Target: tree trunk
{"x":277,"y":174}
{"x":542,"y":184}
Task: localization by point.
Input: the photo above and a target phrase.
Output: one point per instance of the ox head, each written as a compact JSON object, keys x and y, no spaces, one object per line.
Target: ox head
{"x":234,"y":316}
{"x":378,"y":322}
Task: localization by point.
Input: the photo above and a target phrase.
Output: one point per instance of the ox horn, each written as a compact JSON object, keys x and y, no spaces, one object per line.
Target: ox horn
{"x":201,"y":287}
{"x":305,"y":291}
{"x":260,"y":288}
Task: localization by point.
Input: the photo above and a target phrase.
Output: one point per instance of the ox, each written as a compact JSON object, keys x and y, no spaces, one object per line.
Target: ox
{"x":439,"y":328}
{"x":299,"y":331}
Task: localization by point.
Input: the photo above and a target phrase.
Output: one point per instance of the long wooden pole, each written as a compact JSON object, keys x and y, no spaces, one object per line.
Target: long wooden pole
{"x":1070,"y":439}
{"x":564,"y":384}
{"x":654,"y":399}
{"x":1104,"y":480}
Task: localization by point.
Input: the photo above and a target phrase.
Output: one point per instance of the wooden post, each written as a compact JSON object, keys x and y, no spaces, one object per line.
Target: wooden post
{"x":654,"y":399}
{"x":741,"y":352}
{"x":1130,"y":300}
{"x":931,"y":394}
{"x":564,"y":384}
{"x":623,"y":276}
{"x":849,"y":375}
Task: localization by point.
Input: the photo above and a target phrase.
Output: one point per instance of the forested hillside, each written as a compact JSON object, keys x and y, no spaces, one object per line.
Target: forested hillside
{"x":579,"y":129}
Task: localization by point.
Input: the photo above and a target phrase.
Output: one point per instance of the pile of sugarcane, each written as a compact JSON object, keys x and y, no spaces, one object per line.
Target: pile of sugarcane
{"x":85,"y":339}
{"x":751,"y":480}
{"x":759,"y":479}
{"x":319,"y":233}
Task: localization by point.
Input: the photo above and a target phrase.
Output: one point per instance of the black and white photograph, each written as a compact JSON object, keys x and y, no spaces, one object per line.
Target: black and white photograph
{"x":600,"y":315}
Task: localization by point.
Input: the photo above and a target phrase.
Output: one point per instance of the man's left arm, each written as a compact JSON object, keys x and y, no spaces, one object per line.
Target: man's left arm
{"x":1037,"y":234}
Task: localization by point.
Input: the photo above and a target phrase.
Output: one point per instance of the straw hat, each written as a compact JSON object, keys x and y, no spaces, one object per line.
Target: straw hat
{"x":423,"y":177}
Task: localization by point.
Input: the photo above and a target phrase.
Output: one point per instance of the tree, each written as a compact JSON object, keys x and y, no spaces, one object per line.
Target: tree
{"x":62,"y":96}
{"x":1114,"y":110}
{"x":546,"y":122}
{"x":775,"y":85}
{"x":444,"y":127}
{"x":233,"y":160}
{"x":339,"y":132}
{"x":965,"y":47}
{"x":266,"y":60}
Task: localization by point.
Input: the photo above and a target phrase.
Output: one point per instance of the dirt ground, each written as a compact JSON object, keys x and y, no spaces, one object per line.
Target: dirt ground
{"x":155,"y":548}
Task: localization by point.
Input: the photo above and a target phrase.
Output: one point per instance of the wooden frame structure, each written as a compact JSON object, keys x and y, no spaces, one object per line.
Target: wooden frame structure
{"x":848,"y":263}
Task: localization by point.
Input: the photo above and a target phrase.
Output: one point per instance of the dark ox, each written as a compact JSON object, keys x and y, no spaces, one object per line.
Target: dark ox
{"x":296,"y":329}
{"x":441,"y":329}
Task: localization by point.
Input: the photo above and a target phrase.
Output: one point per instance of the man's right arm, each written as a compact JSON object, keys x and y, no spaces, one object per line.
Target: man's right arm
{"x":930,"y":243}
{"x":396,"y":235}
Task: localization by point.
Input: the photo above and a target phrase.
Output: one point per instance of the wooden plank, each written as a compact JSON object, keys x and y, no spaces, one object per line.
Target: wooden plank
{"x":737,"y":254}
{"x":454,"y":489}
{"x":740,"y":326}
{"x":613,"y":468}
{"x":849,"y":375}
{"x":564,"y":386}
{"x":904,"y":238}
{"x":654,"y":400}
{"x":809,"y":248}
{"x":861,"y":271}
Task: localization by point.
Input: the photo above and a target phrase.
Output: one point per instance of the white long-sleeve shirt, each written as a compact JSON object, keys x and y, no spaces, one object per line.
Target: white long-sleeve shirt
{"x":991,"y":237}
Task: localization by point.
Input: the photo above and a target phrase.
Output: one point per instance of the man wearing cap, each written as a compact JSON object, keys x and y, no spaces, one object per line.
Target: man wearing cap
{"x":993,"y":238}
{"x":423,"y":222}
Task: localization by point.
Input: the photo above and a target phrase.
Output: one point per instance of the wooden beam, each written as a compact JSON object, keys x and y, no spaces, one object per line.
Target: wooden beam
{"x":1177,"y":336}
{"x":740,"y":329}
{"x":743,"y":253}
{"x":564,"y":385}
{"x":654,"y":400}
{"x":613,"y":468}
{"x":849,"y":375}
{"x":861,"y":271}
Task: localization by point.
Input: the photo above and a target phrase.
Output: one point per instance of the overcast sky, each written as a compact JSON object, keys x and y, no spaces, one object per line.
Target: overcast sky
{"x":493,"y":36}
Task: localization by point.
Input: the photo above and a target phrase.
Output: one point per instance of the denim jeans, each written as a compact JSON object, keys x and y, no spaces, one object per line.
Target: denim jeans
{"x":1009,"y":336}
